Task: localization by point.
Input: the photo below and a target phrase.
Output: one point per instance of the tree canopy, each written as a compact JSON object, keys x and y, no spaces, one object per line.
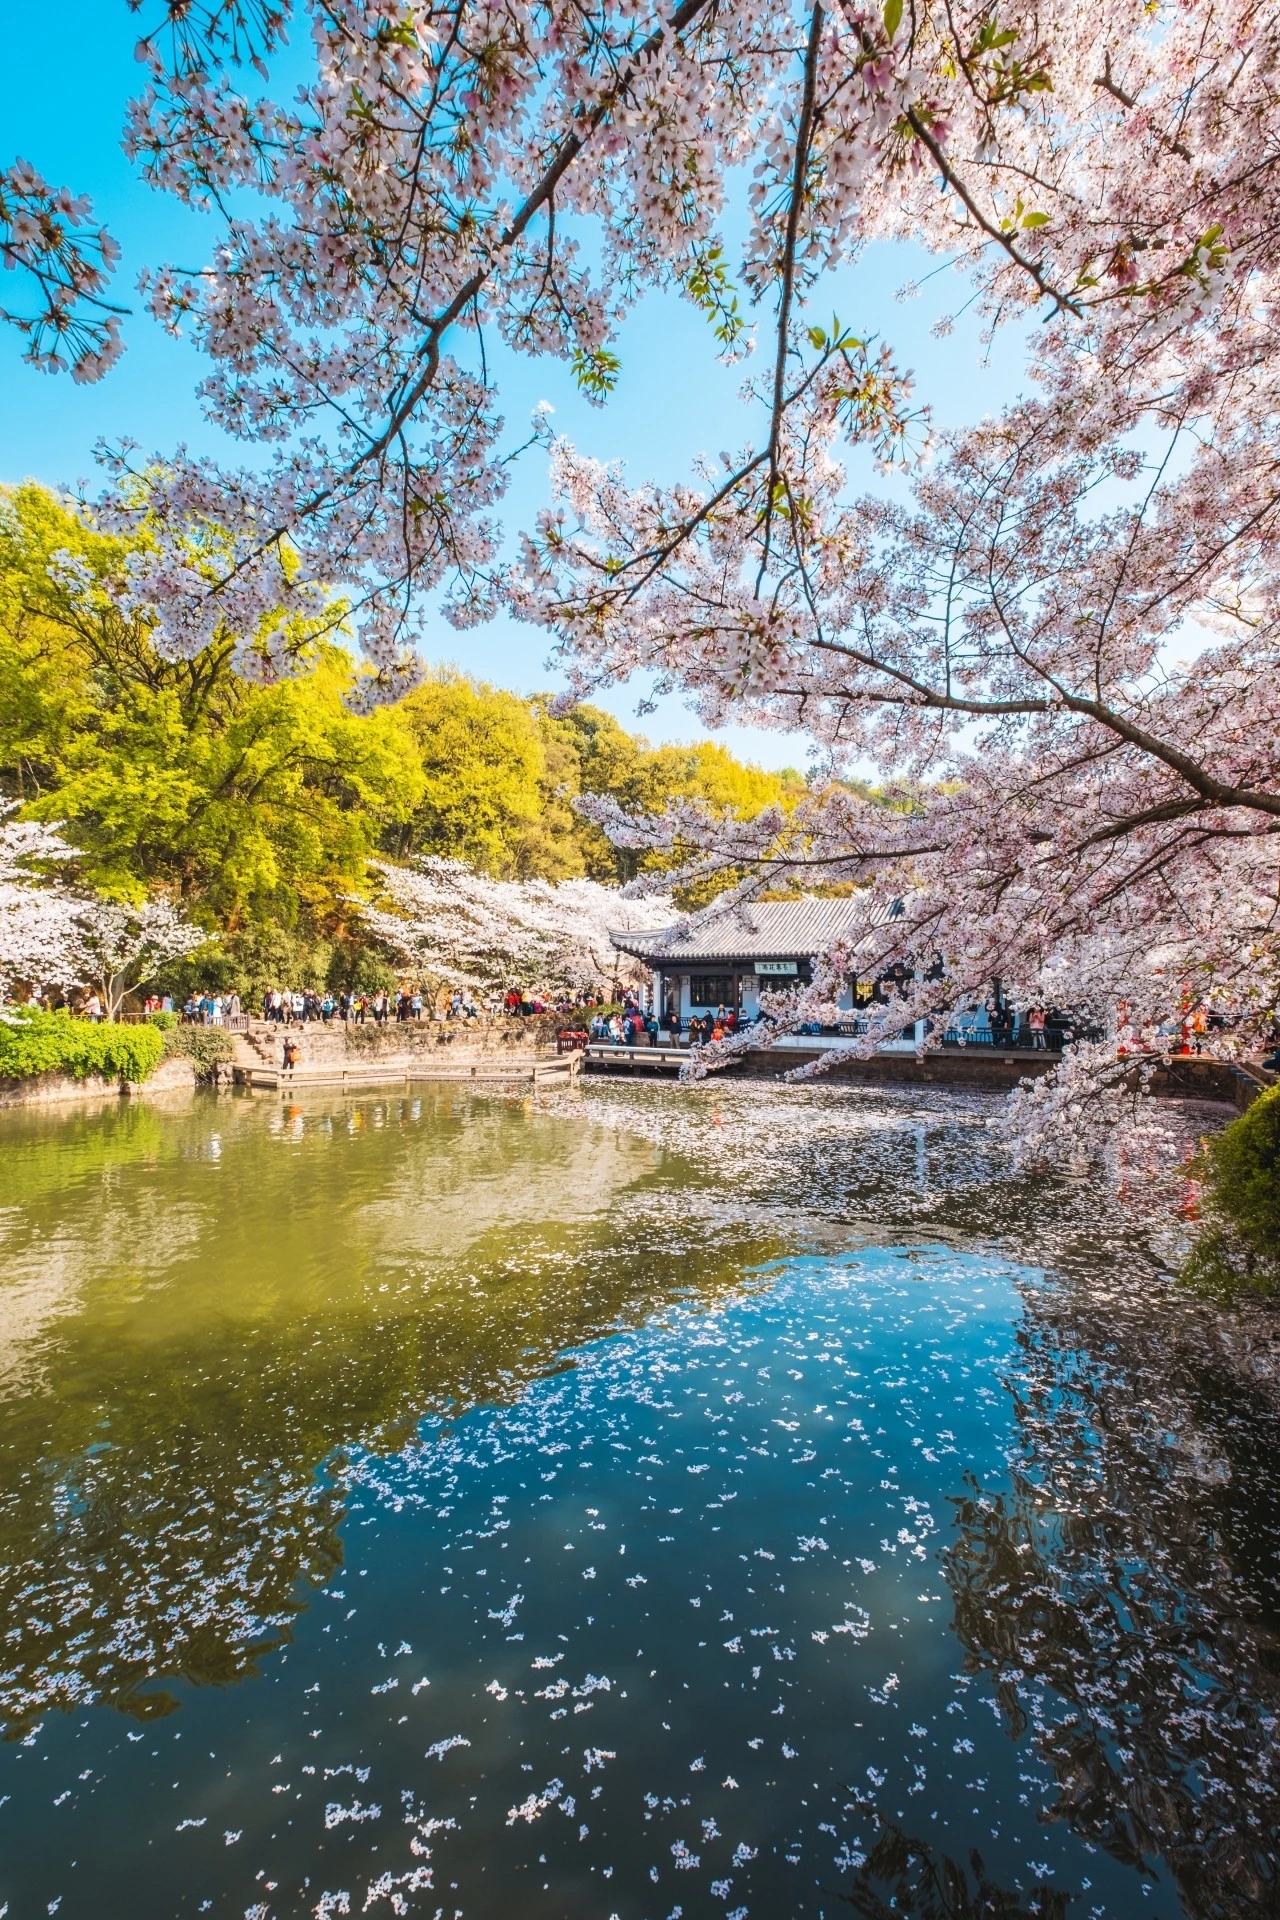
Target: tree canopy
{"x":1065,"y":642}
{"x":258,"y":806}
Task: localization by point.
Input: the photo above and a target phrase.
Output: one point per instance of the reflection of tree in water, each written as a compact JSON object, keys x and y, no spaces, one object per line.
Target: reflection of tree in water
{"x":918,"y":1883}
{"x":165,"y":1503}
{"x":1122,"y":1595}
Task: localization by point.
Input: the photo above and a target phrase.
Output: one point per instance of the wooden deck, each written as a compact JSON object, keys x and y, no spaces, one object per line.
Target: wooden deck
{"x":603,"y":1057}
{"x":557,"y":1072}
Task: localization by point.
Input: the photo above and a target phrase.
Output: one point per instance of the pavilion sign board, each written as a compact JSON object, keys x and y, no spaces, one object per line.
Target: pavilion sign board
{"x":777,"y":966}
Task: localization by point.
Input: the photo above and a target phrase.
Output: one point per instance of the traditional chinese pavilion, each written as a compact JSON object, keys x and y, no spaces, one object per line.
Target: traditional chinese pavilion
{"x":728,"y":958}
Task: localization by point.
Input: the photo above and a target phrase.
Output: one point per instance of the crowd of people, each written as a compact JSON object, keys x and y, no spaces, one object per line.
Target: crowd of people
{"x":1010,"y":1028}
{"x":635,"y":1025}
{"x":997,"y":1022}
{"x":521,"y":1005}
{"x":299,"y":1007}
{"x":282,"y":1008}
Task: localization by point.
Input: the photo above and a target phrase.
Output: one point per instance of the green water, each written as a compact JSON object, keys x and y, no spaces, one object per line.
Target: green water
{"x":644,"y":1502}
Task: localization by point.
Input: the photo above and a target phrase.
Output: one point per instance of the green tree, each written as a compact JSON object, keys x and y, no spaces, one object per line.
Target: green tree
{"x":256,"y":805}
{"x":488,"y":781}
{"x":644,"y":780}
{"x":1238,"y":1250}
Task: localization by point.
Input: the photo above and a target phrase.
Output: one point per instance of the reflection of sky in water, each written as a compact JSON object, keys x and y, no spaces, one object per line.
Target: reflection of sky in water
{"x":808,"y":1544}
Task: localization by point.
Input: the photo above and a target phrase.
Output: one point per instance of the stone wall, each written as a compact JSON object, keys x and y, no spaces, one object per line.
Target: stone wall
{"x":1188,"y":1077}
{"x":58,"y":1089}
{"x":985,"y":1069}
{"x":397,"y":1045}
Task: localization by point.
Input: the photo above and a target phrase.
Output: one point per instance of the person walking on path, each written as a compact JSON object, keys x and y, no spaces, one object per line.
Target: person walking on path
{"x":1035,"y":1020}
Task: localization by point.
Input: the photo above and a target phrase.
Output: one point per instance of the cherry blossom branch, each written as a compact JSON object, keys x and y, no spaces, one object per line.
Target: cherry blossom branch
{"x":571,"y":146}
{"x":44,"y":235}
{"x":1062,"y":302}
{"x":786,"y":290}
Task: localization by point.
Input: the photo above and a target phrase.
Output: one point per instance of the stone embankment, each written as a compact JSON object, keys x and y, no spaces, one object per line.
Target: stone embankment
{"x":975,"y":1069}
{"x":369,"y":1055}
{"x":173,"y":1077}
{"x":333,"y":1055}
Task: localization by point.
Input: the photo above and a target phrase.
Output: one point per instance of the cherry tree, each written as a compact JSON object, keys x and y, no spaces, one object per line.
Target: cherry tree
{"x":1077,"y":811}
{"x":54,"y":934}
{"x":119,"y":947}
{"x":38,"y":935}
{"x":1061,"y":653}
{"x":434,"y":179}
{"x":460,"y":928}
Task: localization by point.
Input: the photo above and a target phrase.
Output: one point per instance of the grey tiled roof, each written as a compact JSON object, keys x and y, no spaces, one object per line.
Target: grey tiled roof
{"x":764,"y":930}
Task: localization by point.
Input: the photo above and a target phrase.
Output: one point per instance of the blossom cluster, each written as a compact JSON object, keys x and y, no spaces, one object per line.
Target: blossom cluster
{"x":461,"y":928}
{"x":47,"y":238}
{"x":56,"y":935}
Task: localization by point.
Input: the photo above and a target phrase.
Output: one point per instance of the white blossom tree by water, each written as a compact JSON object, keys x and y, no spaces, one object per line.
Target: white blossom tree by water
{"x":120,"y":947}
{"x":55,"y":935}
{"x":459,"y":928}
{"x":38,"y":934}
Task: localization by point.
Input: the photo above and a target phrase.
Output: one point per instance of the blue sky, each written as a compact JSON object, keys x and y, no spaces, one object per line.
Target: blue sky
{"x":70,"y":70}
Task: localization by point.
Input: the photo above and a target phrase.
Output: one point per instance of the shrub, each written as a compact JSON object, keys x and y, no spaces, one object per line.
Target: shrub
{"x":32,"y":1043}
{"x":1239,"y":1248}
{"x":204,"y":1047}
{"x":165,"y":1021}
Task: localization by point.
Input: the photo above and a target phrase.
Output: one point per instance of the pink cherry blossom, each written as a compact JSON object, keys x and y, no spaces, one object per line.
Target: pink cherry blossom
{"x":461,"y":928}
{"x":1060,"y":655}
{"x":63,"y":264}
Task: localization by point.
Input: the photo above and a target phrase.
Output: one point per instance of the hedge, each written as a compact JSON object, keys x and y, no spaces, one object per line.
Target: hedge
{"x":32,"y":1043}
{"x":204,"y":1047}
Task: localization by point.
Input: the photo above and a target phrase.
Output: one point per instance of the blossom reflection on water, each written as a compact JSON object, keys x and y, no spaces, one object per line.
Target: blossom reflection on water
{"x":589,"y":1506}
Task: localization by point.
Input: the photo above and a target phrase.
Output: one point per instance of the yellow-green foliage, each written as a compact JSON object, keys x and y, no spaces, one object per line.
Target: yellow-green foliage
{"x":484,"y":778}
{"x":501,"y":775}
{"x":32,"y":1043}
{"x":246,"y":802}
{"x":259,"y":807}
{"x":645,"y":779}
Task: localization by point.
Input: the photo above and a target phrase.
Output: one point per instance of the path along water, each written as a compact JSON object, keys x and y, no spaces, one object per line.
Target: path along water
{"x":656,"y":1503}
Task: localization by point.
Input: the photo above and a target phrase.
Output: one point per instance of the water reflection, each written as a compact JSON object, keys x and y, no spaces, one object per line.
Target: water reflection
{"x":1120,"y":1592}
{"x":906,"y":1876}
{"x":789,"y":1358}
{"x":198,"y":1319}
{"x":1121,"y":1586}
{"x":902,"y":1163}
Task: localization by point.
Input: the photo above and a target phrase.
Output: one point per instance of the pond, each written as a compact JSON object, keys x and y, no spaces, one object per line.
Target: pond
{"x":646,"y":1504}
